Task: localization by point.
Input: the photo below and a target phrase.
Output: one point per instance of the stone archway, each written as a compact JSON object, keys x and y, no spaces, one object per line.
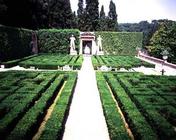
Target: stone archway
{"x":87,"y":39}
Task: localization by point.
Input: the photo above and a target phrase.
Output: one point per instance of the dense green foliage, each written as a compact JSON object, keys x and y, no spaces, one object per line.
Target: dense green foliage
{"x":36,"y":14}
{"x":56,"y":41}
{"x":25,"y":98}
{"x":15,"y":62}
{"x":159,"y":35}
{"x":52,"y":61}
{"x":112,"y":24}
{"x":147,"y":103}
{"x":39,"y":14}
{"x":92,"y":15}
{"x":147,"y":28}
{"x":56,"y":124}
{"x":31,"y":14}
{"x":164,"y":39}
{"x":60,"y":14}
{"x":121,"y":43}
{"x":114,"y":121}
{"x":117,"y":62}
{"x":14,"y":43}
{"x":89,"y":18}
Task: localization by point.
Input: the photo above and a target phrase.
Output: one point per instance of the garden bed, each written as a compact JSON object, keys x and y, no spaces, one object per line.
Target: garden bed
{"x":27,"y":96}
{"x":147,"y":103}
{"x":117,"y":62}
{"x":53,"y":61}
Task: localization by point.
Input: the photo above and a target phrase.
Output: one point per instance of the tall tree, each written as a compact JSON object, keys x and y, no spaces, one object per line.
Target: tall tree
{"x":103,"y":20}
{"x":81,"y":13}
{"x":80,"y":8}
{"x":60,"y":14}
{"x":3,"y":11}
{"x":29,"y":13}
{"x":92,"y":15}
{"x":164,"y":39}
{"x":102,"y":13}
{"x":112,"y":22}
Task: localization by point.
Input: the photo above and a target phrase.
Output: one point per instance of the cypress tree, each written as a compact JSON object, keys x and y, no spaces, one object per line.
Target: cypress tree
{"x":112,"y":15}
{"x":60,"y":14}
{"x":80,"y":13}
{"x":103,"y":20}
{"x":80,"y":8}
{"x":102,"y":13}
{"x":92,"y":15}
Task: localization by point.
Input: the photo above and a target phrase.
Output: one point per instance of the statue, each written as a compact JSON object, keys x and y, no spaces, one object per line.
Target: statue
{"x":72,"y":46}
{"x":72,"y":42}
{"x":33,"y":43}
{"x":99,"y":46}
{"x":87,"y":50}
{"x":99,"y":43}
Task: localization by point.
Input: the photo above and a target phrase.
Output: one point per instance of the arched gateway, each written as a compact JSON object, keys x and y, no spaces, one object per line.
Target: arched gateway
{"x":87,"y":42}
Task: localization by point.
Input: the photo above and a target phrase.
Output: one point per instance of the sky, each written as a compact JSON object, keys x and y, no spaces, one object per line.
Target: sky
{"x":134,"y":11}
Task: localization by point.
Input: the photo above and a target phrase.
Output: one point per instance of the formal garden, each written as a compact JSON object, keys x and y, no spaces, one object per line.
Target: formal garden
{"x":146,"y":102}
{"x":35,"y":99}
{"x":81,"y":75}
{"x":26,"y":97}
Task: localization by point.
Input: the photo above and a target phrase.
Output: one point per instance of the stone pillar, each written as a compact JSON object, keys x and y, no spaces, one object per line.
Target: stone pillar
{"x":94,"y":47}
{"x":80,"y":48}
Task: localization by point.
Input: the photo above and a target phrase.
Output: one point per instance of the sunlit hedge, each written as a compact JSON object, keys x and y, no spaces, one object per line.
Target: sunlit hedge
{"x":121,"y":43}
{"x":56,"y":41}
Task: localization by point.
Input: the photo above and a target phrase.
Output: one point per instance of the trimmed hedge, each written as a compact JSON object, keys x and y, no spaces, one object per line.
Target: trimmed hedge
{"x":19,"y":102}
{"x":52,"y":61}
{"x":138,"y":124}
{"x":14,"y":43}
{"x":15,"y":62}
{"x":55,"y":126}
{"x":121,"y":43}
{"x":114,"y":121}
{"x":56,"y":41}
{"x":31,"y":120}
{"x":118,"y":62}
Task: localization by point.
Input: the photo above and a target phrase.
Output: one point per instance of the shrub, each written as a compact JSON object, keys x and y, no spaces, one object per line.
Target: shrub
{"x":115,"y":124}
{"x":14,"y":43}
{"x":121,"y":43}
{"x":56,"y":41}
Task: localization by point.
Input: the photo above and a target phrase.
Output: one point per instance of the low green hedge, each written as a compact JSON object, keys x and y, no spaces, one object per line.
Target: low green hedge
{"x":15,"y":62}
{"x":55,"y":126}
{"x":14,"y":43}
{"x":17,"y":111}
{"x":118,"y":62}
{"x":121,"y":43}
{"x":56,"y":41}
{"x":137,"y":122}
{"x":114,"y":121}
{"x":162,"y":124}
{"x":28,"y":124}
{"x":53,"y":61}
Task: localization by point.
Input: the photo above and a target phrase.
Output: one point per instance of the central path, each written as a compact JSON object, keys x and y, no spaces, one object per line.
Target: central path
{"x":86,"y":120}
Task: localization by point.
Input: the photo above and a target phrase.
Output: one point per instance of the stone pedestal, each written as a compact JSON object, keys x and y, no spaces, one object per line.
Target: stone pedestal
{"x":100,"y":53}
{"x":73,"y":52}
{"x":2,"y":66}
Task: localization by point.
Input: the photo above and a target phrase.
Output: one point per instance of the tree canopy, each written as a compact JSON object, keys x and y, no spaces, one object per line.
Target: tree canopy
{"x":37,"y":14}
{"x":164,"y":39}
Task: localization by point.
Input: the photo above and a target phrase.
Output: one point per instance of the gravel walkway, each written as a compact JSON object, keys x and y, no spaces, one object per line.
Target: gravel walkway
{"x":86,"y":120}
